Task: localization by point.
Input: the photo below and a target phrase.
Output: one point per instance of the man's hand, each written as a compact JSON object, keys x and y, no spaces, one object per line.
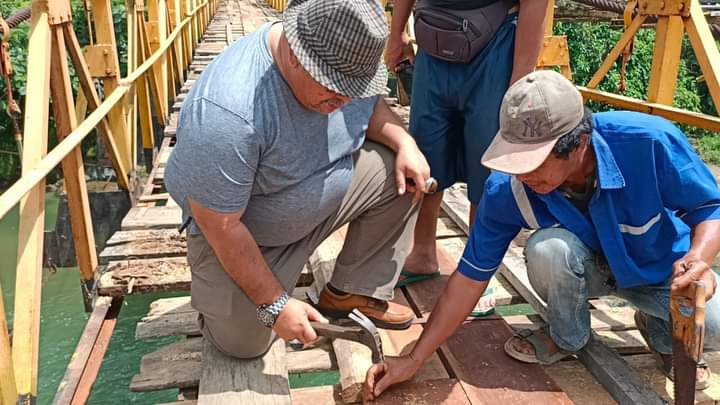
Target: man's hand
{"x":381,"y":376}
{"x":410,"y":163}
{"x":399,"y":48}
{"x":691,"y":268}
{"x":294,"y":322}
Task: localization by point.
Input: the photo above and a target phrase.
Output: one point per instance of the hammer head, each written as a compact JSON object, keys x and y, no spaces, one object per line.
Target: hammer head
{"x":370,"y":339}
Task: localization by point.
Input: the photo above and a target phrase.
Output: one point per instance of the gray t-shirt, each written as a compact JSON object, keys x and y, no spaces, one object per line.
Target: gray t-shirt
{"x":244,"y":141}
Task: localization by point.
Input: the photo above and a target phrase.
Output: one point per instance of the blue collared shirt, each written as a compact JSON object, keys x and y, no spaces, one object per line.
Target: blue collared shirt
{"x":652,"y":188}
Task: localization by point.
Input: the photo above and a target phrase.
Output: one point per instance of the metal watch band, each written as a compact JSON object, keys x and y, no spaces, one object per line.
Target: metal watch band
{"x":279,"y":304}
{"x":268,"y":313}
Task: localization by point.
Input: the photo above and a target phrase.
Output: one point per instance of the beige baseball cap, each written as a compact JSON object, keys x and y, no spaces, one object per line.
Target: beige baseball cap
{"x":536,"y":111}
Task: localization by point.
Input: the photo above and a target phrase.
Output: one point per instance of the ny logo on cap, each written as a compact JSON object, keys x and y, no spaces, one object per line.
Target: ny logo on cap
{"x":533,"y":125}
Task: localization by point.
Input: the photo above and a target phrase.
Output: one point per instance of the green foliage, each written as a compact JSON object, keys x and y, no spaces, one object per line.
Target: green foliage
{"x":589,"y":44}
{"x":9,"y":161}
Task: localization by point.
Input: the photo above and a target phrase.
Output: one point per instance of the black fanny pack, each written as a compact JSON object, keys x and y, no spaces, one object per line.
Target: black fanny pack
{"x":458,"y":35}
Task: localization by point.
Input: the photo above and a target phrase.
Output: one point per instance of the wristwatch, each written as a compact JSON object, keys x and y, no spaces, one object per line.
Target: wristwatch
{"x":268,"y":313}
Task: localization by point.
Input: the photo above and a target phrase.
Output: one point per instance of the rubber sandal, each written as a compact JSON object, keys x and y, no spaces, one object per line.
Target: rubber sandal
{"x":477,"y":313}
{"x":411,"y":278}
{"x":541,"y":355}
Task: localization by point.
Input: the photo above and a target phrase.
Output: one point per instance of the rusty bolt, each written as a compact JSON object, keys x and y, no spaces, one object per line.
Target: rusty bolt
{"x":681,"y":6}
{"x":106,"y":52}
{"x":644,"y":5}
{"x":107,"y":71}
{"x":662,"y":5}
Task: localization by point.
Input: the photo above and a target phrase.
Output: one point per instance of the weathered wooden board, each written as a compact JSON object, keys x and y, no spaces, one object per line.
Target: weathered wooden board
{"x":152,"y":218}
{"x":648,"y":367}
{"x":171,"y":244}
{"x":226,"y":380}
{"x":476,"y":355}
{"x":323,"y":395}
{"x":145,"y":235}
{"x":179,"y":365}
{"x":444,"y":391}
{"x":144,"y":276}
{"x":578,"y":383}
{"x":353,"y":361}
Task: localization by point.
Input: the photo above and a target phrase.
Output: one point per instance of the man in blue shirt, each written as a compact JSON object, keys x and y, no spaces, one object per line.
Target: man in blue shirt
{"x":622,"y":204}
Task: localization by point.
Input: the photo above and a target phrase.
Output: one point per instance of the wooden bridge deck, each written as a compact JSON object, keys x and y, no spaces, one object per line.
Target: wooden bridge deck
{"x":148,"y":255}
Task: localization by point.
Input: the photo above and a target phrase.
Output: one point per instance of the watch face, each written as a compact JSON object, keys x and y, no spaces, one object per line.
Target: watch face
{"x":266,"y":317}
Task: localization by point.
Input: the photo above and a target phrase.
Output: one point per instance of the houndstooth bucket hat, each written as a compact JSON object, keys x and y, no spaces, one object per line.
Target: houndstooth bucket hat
{"x":340,"y":43}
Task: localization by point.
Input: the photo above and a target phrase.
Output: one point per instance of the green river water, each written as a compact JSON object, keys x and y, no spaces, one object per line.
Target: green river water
{"x":63,"y":319}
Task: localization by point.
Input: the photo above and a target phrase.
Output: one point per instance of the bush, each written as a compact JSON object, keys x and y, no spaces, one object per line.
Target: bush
{"x":9,"y":161}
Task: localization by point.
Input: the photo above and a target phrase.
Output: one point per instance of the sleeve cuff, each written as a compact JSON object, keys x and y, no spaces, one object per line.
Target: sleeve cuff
{"x":703,"y":213}
{"x":468,"y":269}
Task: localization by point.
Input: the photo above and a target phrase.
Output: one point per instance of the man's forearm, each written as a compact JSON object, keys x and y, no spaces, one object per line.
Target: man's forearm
{"x":239,"y":255}
{"x":528,"y":36}
{"x":459,"y":298}
{"x":706,"y":240}
{"x":400,"y":16}
{"x":385,"y":127}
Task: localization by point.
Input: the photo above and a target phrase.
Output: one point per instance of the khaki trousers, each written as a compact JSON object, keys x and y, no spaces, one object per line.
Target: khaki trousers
{"x":378,"y":240}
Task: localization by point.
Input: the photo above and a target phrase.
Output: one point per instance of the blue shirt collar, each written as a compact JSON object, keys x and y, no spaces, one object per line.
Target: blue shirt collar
{"x":608,"y":172}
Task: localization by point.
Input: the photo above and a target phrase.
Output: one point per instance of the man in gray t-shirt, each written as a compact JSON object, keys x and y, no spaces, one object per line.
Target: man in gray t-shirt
{"x":272,"y":157}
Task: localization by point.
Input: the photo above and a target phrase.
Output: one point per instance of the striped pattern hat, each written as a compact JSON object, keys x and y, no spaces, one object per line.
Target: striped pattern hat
{"x":340,"y":43}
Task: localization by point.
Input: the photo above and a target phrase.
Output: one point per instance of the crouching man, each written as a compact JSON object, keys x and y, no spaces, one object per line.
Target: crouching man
{"x":283,"y":140}
{"x":622,"y":205}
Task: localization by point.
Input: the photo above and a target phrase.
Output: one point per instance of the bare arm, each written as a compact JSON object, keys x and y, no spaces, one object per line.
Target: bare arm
{"x":399,"y":47}
{"x":385,"y":127}
{"x":457,"y":300}
{"x":240,"y":257}
{"x":528,"y":37}
{"x":238,"y":252}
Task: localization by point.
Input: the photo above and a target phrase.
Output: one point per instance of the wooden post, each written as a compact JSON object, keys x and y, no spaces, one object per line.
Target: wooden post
{"x":73,"y":170}
{"x":105,"y":34}
{"x":705,"y":49}
{"x":157,"y":33}
{"x":153,"y":74}
{"x":131,"y":114}
{"x":92,"y":99}
{"x":143,"y":94}
{"x":26,"y":325}
{"x":8,"y":390}
{"x":666,"y":59}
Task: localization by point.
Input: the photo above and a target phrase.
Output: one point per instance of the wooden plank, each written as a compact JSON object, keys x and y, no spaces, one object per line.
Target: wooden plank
{"x":179,"y":365}
{"x":145,"y":235}
{"x":95,"y":358}
{"x":445,"y":391}
{"x":145,"y":249}
{"x":578,"y":383}
{"x":152,"y":218}
{"x":353,"y":359}
{"x":401,"y":342}
{"x":144,"y":276}
{"x":226,"y":380}
{"x":323,"y":395}
{"x":476,"y":355}
{"x":74,"y":370}
{"x":648,"y":367}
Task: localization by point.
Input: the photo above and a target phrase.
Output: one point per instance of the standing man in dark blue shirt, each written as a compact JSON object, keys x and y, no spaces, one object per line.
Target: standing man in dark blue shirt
{"x":461,"y":73}
{"x":622,"y":205}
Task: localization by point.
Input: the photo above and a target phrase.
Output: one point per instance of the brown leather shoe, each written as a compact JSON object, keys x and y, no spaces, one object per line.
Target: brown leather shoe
{"x":384,"y":314}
